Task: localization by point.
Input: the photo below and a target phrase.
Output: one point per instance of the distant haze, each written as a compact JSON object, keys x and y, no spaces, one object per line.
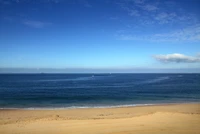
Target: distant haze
{"x":89,"y":70}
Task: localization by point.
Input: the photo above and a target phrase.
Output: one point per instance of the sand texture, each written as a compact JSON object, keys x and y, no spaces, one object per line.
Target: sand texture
{"x":162,"y":119}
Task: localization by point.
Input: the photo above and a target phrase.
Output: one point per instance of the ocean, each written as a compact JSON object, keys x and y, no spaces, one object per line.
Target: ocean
{"x":38,"y":91}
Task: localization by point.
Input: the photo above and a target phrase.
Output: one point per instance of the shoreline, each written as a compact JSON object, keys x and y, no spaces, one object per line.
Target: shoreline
{"x":99,"y":107}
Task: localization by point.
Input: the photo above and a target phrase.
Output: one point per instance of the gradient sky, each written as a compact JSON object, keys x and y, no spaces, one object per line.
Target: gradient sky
{"x":91,"y":35}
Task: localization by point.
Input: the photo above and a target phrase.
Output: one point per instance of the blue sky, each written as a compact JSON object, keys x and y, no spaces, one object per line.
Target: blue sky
{"x":99,"y":36}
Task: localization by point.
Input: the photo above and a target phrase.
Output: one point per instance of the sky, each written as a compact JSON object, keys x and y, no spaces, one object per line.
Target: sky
{"x":99,"y":36}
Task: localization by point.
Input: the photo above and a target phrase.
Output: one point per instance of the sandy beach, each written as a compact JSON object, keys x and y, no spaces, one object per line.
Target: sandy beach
{"x":160,"y":119}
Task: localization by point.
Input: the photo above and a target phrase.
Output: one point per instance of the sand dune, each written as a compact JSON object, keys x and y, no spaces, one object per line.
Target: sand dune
{"x":163,"y":119}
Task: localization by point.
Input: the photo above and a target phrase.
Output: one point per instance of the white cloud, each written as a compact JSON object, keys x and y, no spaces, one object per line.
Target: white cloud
{"x":36,"y":24}
{"x":177,"y":58}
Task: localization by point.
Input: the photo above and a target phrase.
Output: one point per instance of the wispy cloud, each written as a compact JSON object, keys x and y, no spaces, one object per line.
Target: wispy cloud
{"x":130,"y":5}
{"x":85,"y":3}
{"x":36,"y":24}
{"x":114,"y":18}
{"x":149,"y":7}
{"x":134,"y":13}
{"x":177,"y":58}
{"x":165,"y":17}
{"x":5,"y":2}
{"x":157,"y":12}
{"x":139,"y":1}
{"x":187,"y":34}
{"x":25,"y":1}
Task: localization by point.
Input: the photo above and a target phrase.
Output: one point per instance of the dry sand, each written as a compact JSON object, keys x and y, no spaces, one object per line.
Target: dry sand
{"x":163,"y":119}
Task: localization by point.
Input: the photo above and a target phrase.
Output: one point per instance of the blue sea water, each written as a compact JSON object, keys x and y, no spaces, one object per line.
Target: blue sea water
{"x":96,"y":90}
